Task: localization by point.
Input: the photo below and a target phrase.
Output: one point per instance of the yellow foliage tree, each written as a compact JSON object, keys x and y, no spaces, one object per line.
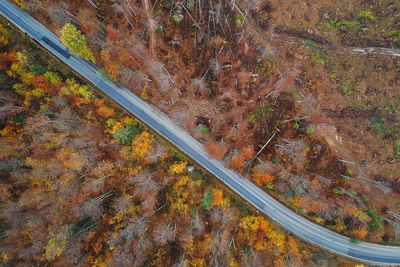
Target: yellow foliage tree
{"x":76,"y":42}
{"x":55,"y":247}
{"x":20,"y":3}
{"x":5,"y":257}
{"x":179,"y":203}
{"x":250,"y":223}
{"x":360,"y":233}
{"x":339,"y":226}
{"x":198,"y":263}
{"x":19,"y":66}
{"x":4,"y":33}
{"x":27,"y":78}
{"x":178,"y":167}
{"x":140,"y":145}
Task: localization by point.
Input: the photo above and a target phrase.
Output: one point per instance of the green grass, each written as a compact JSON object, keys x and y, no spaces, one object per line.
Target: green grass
{"x":258,"y":112}
{"x":276,"y":160}
{"x":380,"y":127}
{"x":203,"y":129}
{"x":346,"y":89}
{"x":393,"y":33}
{"x":296,"y":124}
{"x":319,"y":56}
{"x":366,"y":14}
{"x":397,"y":147}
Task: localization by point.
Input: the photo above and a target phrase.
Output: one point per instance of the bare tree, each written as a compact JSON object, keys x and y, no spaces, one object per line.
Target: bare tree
{"x":92,"y":208}
{"x":60,"y":15}
{"x":394,"y":224}
{"x":33,"y":6}
{"x":163,"y":233}
{"x":159,"y":73}
{"x":394,"y":214}
{"x":122,"y":204}
{"x":214,"y":248}
{"x":72,"y":251}
{"x":379,"y":185}
{"x":396,"y":227}
{"x":294,"y":149}
{"x":66,"y":121}
{"x":197,"y":224}
{"x":300,"y":183}
{"x":140,"y":248}
{"x":93,"y":186}
{"x":59,"y":102}
{"x":13,"y":212}
{"x":133,"y":80}
{"x":69,"y":190}
{"x":157,"y":151}
{"x":49,"y":169}
{"x":146,"y":184}
{"x":9,"y":109}
{"x":11,"y":164}
{"x":230,"y":217}
{"x":215,"y":66}
{"x":148,"y":205}
{"x":200,"y":83}
{"x":122,"y":256}
{"x":266,"y":167}
{"x":120,"y":9}
{"x":216,"y":215}
{"x":322,"y":179}
{"x":136,"y":227}
{"x":253,"y":259}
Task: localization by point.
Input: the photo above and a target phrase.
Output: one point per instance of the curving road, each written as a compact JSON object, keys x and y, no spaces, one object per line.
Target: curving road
{"x":301,"y":227}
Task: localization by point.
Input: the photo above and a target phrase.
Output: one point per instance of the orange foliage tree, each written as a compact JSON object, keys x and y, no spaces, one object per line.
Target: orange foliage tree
{"x":217,"y":197}
{"x":103,"y":110}
{"x":237,"y":161}
{"x":112,"y":34}
{"x":262,"y":179}
{"x":217,"y":151}
{"x":113,"y":69}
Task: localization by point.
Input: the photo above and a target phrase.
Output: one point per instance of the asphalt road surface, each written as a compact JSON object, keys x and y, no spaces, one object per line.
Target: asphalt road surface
{"x":158,"y":122}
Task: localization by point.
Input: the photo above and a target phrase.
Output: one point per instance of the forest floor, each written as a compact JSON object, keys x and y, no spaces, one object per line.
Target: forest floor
{"x":236,"y":74}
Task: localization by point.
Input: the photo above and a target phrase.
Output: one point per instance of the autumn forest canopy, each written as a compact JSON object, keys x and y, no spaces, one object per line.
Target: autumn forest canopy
{"x":274,"y":91}
{"x":83,"y":182}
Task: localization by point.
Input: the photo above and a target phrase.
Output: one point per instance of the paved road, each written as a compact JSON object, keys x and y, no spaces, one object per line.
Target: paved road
{"x":301,"y":227}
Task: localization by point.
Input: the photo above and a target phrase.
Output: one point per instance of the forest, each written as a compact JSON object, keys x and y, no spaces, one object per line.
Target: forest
{"x":288,"y":94}
{"x":82,"y":182}
{"x":280,"y":96}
